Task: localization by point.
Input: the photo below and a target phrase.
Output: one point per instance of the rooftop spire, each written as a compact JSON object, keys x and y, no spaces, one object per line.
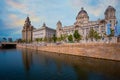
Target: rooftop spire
{"x":27,"y":19}
{"x":82,"y":8}
{"x":44,"y":25}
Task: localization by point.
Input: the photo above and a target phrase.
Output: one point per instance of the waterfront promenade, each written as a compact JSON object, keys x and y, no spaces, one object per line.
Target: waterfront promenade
{"x":109,"y":51}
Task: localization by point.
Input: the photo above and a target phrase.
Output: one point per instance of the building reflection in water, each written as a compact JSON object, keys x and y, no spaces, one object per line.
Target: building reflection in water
{"x":83,"y":67}
{"x":27,"y":59}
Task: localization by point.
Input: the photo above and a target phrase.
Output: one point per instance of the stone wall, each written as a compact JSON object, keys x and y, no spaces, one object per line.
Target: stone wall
{"x":96,"y":50}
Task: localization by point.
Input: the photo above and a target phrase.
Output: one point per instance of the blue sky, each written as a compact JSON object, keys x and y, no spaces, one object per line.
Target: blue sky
{"x":14,"y":12}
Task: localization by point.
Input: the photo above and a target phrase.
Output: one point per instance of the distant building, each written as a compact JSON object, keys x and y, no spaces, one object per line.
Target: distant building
{"x":43,"y":32}
{"x":27,"y":30}
{"x":83,"y":25}
{"x":10,"y":40}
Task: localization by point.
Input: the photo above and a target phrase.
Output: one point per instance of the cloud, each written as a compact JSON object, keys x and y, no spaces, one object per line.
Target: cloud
{"x":19,"y":6}
{"x":49,"y":11}
{"x":14,"y":21}
{"x":15,"y":4}
{"x":23,"y":9}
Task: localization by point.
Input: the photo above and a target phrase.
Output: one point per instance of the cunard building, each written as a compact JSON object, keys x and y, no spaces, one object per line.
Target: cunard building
{"x":83,"y":25}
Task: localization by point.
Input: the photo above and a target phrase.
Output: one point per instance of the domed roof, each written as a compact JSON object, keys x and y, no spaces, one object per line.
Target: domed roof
{"x":81,"y":13}
{"x":110,"y":8}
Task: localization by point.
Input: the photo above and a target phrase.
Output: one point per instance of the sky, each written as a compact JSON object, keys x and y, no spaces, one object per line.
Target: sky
{"x":14,"y":12}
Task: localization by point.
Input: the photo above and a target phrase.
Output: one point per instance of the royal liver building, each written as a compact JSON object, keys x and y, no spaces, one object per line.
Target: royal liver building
{"x":27,"y":30}
{"x":83,"y":25}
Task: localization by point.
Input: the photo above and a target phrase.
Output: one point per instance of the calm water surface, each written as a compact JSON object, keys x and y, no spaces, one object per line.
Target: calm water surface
{"x":23,"y":64}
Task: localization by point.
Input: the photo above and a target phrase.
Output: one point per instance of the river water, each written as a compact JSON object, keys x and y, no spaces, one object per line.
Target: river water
{"x":23,"y":64}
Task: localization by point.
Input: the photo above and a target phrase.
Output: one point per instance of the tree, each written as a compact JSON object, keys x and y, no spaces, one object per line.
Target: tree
{"x":59,"y":39}
{"x":70,"y":38}
{"x":29,"y":41}
{"x":40,"y":39}
{"x":111,"y":35}
{"x":19,"y":40}
{"x":54,"y":38}
{"x":49,"y":39}
{"x":45,"y":39}
{"x":91,"y":34}
{"x":37,"y":39}
{"x":63,"y":37}
{"x":4,"y":40}
{"x":23,"y":41}
{"x":94,"y":35}
{"x":77,"y":36}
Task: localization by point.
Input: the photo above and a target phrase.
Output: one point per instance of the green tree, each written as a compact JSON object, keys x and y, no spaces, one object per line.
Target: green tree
{"x":91,"y":34}
{"x":59,"y":39}
{"x":4,"y":40}
{"x":21,"y":40}
{"x":77,"y":36}
{"x":45,"y":39}
{"x":70,"y":38}
{"x":63,"y":37}
{"x":54,"y":38}
{"x":40,"y":39}
{"x":50,"y":39}
{"x":29,"y":41}
{"x":37,"y":40}
{"x":111,"y":35}
{"x":96,"y":35}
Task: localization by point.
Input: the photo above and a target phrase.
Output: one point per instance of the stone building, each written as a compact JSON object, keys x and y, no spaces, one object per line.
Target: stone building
{"x":83,"y":25}
{"x":27,"y":30}
{"x":43,"y":32}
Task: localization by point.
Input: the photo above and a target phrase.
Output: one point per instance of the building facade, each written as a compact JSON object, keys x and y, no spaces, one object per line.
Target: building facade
{"x":27,"y":31}
{"x":83,"y":25}
{"x":43,"y":32}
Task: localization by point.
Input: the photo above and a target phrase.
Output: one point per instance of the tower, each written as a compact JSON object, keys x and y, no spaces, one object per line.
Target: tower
{"x":59,"y":28}
{"x":27,"y":30}
{"x":110,"y":16}
{"x":82,"y":17}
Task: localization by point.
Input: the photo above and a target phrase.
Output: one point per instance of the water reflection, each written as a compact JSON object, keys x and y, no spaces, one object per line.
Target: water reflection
{"x":27,"y":59}
{"x":44,"y":65}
